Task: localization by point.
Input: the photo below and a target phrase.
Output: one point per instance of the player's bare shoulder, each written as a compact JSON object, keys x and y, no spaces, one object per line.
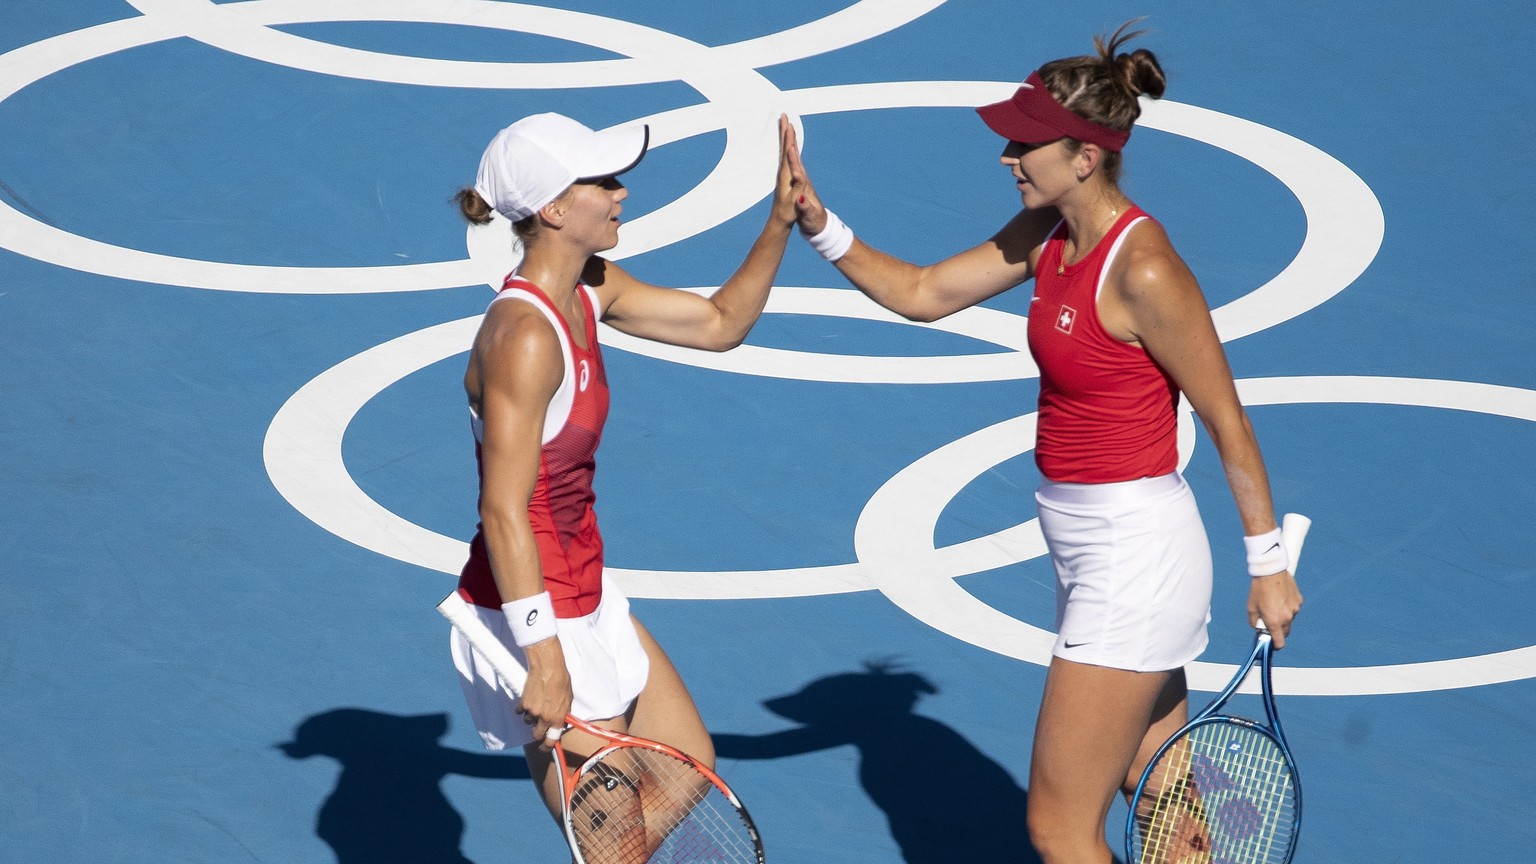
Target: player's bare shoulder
{"x":513,"y":326}
{"x":1148,"y":273}
{"x":606,"y":278}
{"x":1149,"y":286}
{"x":1148,"y":266}
{"x":516,"y":343}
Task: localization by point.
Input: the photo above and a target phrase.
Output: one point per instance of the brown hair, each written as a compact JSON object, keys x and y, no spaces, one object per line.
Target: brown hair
{"x":1104,"y":88}
{"x":476,"y":211}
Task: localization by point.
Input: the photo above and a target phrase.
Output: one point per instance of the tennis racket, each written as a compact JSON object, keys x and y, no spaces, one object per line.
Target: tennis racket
{"x":1223,"y":789}
{"x":633,"y":801}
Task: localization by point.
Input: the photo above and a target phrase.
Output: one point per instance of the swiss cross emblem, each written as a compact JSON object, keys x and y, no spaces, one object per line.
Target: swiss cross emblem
{"x":1065,"y":319}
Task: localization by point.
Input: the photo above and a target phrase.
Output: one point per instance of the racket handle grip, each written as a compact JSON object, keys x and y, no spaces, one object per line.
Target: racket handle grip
{"x":485,"y":643}
{"x":1293,"y":530}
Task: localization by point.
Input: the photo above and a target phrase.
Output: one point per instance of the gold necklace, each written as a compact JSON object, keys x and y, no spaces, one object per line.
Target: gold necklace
{"x":1061,"y":265}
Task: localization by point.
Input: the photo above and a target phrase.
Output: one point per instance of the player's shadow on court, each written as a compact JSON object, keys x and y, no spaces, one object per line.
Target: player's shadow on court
{"x":944,"y":799}
{"x":388,"y":805}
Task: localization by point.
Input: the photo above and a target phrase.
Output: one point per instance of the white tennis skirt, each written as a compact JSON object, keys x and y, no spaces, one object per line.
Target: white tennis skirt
{"x":607,"y":664}
{"x":1133,"y":572}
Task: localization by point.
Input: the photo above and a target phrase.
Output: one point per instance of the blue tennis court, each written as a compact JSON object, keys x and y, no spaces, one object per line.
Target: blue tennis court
{"x":235,"y":299}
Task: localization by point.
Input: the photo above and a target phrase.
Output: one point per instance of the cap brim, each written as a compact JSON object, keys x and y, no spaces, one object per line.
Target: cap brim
{"x":1007,"y":120}
{"x":617,"y":150}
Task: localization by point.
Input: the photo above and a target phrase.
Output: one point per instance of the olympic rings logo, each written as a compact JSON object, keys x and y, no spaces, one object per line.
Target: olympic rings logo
{"x":302,"y":451}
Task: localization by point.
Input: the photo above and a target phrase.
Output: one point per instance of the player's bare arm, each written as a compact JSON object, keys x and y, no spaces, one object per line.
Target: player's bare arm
{"x":1153,"y":299}
{"x":722,"y":320}
{"x":514,"y":370}
{"x":933,"y":291}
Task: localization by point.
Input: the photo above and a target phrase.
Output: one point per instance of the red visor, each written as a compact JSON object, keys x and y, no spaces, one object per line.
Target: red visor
{"x":1033,"y":116}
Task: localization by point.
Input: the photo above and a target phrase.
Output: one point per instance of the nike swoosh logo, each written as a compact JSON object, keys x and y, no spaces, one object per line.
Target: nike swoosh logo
{"x":1074,"y":644}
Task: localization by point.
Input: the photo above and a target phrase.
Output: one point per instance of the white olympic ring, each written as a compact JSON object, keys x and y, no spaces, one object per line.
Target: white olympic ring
{"x":245,"y":29}
{"x":893,"y":539}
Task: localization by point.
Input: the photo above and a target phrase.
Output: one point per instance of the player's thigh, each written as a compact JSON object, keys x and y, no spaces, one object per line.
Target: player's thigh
{"x":665,"y":710}
{"x":1169,"y":714}
{"x":1092,"y":722}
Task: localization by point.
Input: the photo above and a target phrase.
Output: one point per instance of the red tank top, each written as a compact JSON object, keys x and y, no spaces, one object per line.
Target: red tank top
{"x":560,"y":512}
{"x":1108,"y":412}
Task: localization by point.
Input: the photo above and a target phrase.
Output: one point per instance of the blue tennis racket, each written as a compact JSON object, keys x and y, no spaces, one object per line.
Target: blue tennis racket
{"x":1223,"y":789}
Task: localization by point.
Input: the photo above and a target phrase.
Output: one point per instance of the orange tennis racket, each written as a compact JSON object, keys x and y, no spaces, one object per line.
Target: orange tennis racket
{"x":634,"y":801}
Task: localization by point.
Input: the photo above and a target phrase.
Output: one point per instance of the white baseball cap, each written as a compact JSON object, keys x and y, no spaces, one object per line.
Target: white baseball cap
{"x":529,"y":163}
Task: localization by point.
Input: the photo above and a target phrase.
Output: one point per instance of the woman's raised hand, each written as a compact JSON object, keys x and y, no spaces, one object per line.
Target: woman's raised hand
{"x":796,"y":199}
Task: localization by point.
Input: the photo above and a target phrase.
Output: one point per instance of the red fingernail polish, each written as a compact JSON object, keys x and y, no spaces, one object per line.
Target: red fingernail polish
{"x":802,"y":199}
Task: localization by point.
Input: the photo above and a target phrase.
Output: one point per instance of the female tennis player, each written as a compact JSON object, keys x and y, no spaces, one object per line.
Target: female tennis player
{"x":538,"y":398}
{"x":1119,"y":328}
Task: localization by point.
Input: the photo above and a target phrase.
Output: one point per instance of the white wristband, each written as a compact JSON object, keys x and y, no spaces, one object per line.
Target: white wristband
{"x":532,"y":619}
{"x":835,"y":240}
{"x":1266,"y":554}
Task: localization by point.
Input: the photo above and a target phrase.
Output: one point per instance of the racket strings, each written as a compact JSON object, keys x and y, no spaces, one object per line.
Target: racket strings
{"x":1224,"y":794}
{"x":605,"y":816}
{"x":641,"y":805}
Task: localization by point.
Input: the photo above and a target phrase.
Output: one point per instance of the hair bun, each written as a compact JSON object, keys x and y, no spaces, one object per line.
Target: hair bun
{"x":1140,"y":73}
{"x":473,"y":207}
